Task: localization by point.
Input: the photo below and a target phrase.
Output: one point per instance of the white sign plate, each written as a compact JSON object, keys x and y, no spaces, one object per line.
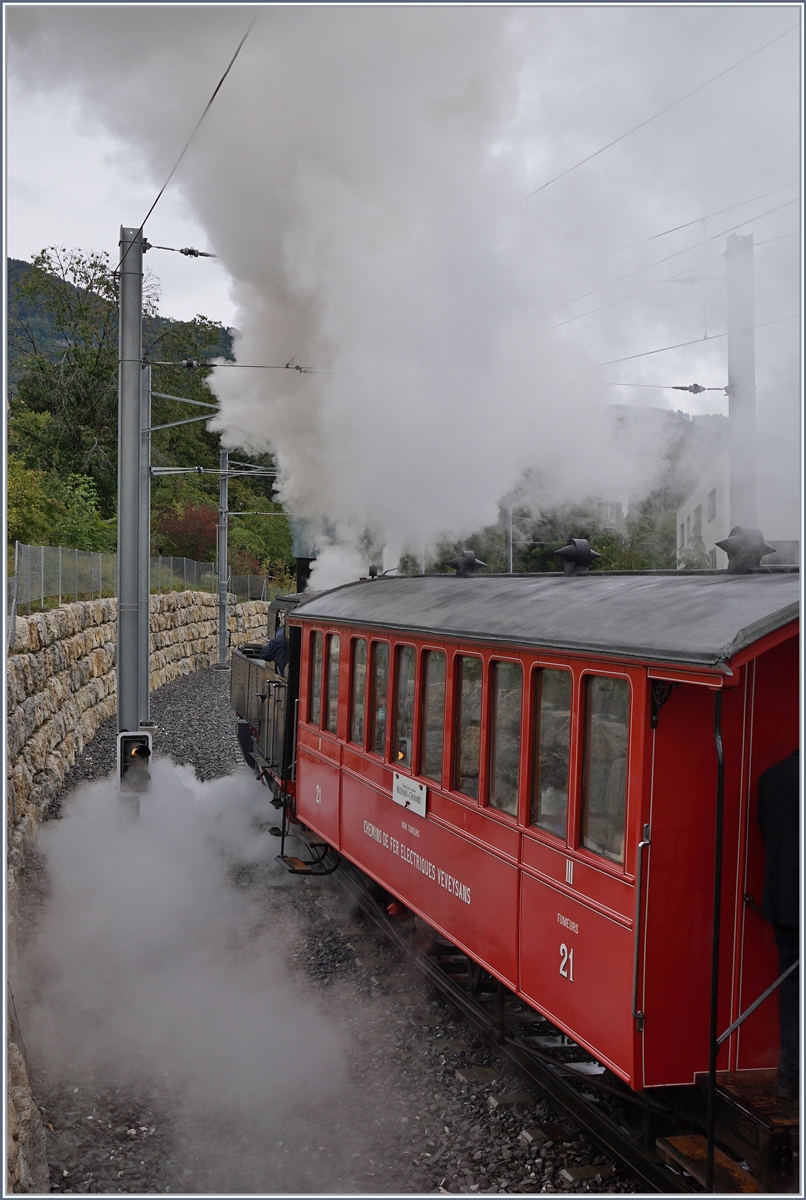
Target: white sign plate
{"x":409,"y":794}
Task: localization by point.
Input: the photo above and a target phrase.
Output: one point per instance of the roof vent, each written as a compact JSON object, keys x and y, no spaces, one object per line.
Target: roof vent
{"x":745,"y":549}
{"x":466,"y":563}
{"x":577,"y":554}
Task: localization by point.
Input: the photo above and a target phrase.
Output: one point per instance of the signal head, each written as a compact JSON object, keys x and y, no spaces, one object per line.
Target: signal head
{"x":134,"y":753}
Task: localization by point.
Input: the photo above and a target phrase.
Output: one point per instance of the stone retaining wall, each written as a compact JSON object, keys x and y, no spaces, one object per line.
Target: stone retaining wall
{"x":26,"y":1140}
{"x":61,"y":684}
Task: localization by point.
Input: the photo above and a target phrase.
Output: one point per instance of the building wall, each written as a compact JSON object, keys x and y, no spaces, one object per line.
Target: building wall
{"x":712,"y":497}
{"x":778,"y":501}
{"x":612,"y":514}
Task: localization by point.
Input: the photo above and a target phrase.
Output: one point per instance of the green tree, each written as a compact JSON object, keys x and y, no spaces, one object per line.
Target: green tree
{"x":71,"y":380}
{"x":693,"y":555}
{"x":45,"y":509}
{"x":259,"y":543}
{"x":76,"y":516}
{"x":647,"y":542}
{"x":27,"y":511}
{"x":63,"y":417}
{"x":63,"y":412}
{"x":651,"y":532}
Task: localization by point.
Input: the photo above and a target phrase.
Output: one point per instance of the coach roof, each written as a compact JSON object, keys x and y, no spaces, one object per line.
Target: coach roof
{"x":698,"y":619}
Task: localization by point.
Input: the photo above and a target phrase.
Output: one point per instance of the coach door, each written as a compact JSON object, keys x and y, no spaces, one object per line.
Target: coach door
{"x":577,"y":900}
{"x":319,"y":748}
{"x":772,"y":735}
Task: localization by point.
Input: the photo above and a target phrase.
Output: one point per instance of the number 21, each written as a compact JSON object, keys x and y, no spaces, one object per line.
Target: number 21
{"x":566,"y":962}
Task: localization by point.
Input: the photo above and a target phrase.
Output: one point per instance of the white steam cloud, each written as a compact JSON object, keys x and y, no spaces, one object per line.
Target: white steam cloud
{"x":156,"y":967}
{"x":167,"y":967}
{"x":358,"y":175}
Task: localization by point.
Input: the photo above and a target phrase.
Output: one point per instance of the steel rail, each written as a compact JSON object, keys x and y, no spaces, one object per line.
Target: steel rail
{"x":610,"y":1137}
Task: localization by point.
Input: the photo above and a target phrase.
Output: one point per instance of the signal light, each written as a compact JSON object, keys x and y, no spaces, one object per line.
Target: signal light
{"x":134,"y":754}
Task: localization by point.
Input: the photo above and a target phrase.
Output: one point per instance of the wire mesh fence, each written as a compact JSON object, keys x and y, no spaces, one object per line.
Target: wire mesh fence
{"x":48,"y":575}
{"x":252,"y":587}
{"x":183,"y":575}
{"x":43,"y":574}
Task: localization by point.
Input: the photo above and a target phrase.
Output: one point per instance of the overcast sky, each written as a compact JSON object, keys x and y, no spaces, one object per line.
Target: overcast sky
{"x":363,"y":176}
{"x":70,"y":182}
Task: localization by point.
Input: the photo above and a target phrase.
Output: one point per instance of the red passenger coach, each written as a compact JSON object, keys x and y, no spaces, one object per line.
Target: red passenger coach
{"x":530,"y":764}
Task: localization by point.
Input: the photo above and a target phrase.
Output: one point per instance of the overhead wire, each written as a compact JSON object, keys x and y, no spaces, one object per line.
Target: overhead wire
{"x":693,"y":246}
{"x":588,"y":158}
{"x":778,"y":321}
{"x":619,"y":299}
{"x":207,"y":108}
{"x":639,"y":291}
{"x":712,"y":337}
{"x":781,"y":238}
{"x":667,"y":258}
{"x":655,"y":116}
{"x":664,"y":233}
{"x":697,"y":245}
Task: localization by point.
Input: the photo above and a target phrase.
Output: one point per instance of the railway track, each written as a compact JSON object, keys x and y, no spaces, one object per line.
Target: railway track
{"x":516,"y":1032}
{"x":657,"y":1138}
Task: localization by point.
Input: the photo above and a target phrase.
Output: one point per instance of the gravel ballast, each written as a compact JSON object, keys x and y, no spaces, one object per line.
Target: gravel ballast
{"x":354,"y":1083}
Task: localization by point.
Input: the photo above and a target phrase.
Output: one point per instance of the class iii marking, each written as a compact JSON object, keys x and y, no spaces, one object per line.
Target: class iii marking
{"x":569,"y":871}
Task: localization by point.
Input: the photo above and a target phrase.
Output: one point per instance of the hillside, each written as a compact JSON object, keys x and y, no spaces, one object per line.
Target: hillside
{"x":30,"y":323}
{"x":62,"y":422}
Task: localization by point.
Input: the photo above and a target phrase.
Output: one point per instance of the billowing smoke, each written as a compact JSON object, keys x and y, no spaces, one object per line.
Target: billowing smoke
{"x":156,"y":966}
{"x":359,"y":175}
{"x":173,"y":969}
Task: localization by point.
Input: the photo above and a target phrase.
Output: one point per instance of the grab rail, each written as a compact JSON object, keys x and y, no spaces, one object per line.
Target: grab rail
{"x":749,"y":1011}
{"x":638,"y":1014}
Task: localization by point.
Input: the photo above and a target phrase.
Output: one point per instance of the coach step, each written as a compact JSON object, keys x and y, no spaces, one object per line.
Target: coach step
{"x":690,"y":1152}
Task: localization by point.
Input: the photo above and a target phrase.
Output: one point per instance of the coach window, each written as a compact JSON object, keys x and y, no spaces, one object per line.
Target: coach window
{"x":506,"y":736}
{"x":332,"y":701}
{"x":315,"y":706}
{"x":358,"y":680}
{"x":380,"y":684}
{"x":552,"y":727}
{"x":404,"y":706}
{"x":433,"y":725}
{"x":468,"y":726}
{"x":604,"y":776}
